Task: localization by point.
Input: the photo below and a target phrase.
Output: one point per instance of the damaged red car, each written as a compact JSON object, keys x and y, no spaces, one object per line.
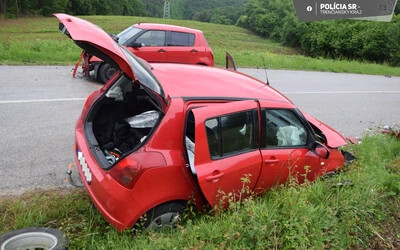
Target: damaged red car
{"x":158,"y":135}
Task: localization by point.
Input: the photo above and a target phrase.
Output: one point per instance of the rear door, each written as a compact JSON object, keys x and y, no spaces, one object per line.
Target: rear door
{"x":227,"y":158}
{"x":182,"y":48}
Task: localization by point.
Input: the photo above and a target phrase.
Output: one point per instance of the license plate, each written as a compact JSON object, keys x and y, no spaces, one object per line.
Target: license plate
{"x":85,"y":168}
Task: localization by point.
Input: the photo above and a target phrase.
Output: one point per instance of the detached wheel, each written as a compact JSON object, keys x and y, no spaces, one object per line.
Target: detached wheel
{"x":167,"y":215}
{"x":106,"y":71}
{"x":33,"y":238}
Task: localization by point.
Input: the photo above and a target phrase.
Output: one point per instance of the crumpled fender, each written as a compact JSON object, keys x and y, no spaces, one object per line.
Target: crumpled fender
{"x":333,"y":137}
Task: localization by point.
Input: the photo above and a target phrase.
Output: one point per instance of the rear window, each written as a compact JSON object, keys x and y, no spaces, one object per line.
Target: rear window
{"x":181,"y":39}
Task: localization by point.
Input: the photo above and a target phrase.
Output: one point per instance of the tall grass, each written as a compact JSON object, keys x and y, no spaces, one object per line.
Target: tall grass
{"x":38,"y":41}
{"x":315,"y":215}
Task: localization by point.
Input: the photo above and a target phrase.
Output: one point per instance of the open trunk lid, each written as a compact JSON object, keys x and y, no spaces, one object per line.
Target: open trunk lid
{"x":97,"y":42}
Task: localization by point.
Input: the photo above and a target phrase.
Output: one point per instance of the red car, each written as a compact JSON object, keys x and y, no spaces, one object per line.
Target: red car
{"x":158,"y":43}
{"x":156,"y":136}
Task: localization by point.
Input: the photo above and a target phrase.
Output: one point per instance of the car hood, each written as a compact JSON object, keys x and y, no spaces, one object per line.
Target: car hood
{"x":97,"y":42}
{"x":333,"y":137}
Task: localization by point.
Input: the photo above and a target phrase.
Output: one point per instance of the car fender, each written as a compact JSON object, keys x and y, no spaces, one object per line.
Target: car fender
{"x":333,"y":137}
{"x":163,"y":184}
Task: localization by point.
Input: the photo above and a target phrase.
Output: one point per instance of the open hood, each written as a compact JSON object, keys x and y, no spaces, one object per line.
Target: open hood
{"x":333,"y":137}
{"x":97,"y":42}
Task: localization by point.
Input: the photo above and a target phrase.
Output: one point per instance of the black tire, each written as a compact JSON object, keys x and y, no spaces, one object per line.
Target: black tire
{"x":34,"y":238}
{"x":106,"y":71}
{"x":166,"y":215}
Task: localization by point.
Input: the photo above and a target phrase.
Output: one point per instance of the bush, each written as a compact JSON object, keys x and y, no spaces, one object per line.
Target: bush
{"x":74,"y":7}
{"x":351,"y":39}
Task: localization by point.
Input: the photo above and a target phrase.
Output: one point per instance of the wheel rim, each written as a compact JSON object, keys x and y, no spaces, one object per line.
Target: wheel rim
{"x":110,"y":72}
{"x":33,"y":240}
{"x":165,"y":221}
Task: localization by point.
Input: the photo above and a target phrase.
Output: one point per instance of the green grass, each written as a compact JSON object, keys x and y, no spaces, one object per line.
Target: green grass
{"x":313,"y":215}
{"x":38,"y":41}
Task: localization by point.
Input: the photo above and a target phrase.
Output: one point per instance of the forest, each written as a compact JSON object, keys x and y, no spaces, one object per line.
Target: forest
{"x":338,"y":39}
{"x":216,"y":11}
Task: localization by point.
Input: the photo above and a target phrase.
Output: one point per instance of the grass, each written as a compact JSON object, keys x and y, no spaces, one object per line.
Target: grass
{"x":312,"y":215}
{"x":38,"y":41}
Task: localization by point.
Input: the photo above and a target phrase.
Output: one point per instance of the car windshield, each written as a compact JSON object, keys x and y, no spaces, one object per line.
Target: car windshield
{"x":142,"y":73}
{"x":127,"y":34}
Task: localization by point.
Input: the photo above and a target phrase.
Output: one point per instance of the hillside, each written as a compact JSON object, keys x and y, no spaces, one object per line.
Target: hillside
{"x":38,"y":41}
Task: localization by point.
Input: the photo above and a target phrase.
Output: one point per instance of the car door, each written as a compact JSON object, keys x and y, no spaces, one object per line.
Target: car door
{"x":153,"y":46}
{"x":182,"y":49}
{"x":285,"y":140}
{"x":227,"y":159}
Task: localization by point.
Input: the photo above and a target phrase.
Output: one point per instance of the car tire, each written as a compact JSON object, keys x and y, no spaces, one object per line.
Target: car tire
{"x":106,"y":71}
{"x":34,"y":238}
{"x":166,"y":215}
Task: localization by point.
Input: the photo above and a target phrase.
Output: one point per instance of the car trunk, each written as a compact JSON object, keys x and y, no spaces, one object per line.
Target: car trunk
{"x":121,"y":121}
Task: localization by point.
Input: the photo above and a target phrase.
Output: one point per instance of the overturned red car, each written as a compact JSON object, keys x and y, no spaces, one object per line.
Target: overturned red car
{"x":158,"y":135}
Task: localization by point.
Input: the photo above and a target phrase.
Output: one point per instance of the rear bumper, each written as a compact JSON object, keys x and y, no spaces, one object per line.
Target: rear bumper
{"x":113,"y":201}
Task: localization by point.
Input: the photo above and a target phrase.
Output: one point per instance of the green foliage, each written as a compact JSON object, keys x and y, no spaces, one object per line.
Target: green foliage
{"x":352,"y":39}
{"x":220,"y":19}
{"x":75,"y":7}
{"x":216,"y":11}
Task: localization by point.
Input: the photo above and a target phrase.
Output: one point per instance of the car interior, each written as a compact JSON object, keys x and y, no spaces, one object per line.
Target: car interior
{"x":123,"y":118}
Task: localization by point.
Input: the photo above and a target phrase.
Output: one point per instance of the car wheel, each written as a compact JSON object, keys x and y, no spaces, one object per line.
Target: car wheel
{"x":106,"y":71}
{"x":167,"y":215}
{"x":34,"y":238}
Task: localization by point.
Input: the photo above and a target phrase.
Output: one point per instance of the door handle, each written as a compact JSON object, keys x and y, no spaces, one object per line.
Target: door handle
{"x":214,"y":177}
{"x":271,"y":161}
{"x":162,"y":51}
{"x":194,"y":50}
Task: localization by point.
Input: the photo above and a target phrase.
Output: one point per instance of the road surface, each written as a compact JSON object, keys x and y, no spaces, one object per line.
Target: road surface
{"x":40,"y":104}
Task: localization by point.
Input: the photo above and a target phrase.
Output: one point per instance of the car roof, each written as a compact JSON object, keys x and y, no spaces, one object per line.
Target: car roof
{"x":166,"y":27}
{"x":196,"y":81}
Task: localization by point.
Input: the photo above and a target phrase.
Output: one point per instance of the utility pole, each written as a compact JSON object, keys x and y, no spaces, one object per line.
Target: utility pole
{"x":166,"y":14}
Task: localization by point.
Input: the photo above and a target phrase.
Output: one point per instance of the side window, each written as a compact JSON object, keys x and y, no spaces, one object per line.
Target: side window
{"x":283,"y":128}
{"x":152,"y":38}
{"x":181,"y":39}
{"x":230,"y":134}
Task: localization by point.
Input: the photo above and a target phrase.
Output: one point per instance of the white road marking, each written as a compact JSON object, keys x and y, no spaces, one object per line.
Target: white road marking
{"x":284,"y":92}
{"x":343,"y":92}
{"x":43,"y":100}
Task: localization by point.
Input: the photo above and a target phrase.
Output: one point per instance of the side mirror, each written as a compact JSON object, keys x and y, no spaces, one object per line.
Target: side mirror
{"x":320,"y":150}
{"x":135,"y":45}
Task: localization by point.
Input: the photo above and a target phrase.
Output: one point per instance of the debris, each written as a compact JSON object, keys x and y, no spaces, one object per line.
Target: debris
{"x":353,"y":140}
{"x":70,"y":179}
{"x":394,"y":131}
{"x":348,"y":157}
{"x":341,"y":183}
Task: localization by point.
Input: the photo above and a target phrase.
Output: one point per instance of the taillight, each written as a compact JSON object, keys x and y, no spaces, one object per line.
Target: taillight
{"x":129,"y":169}
{"x":125,"y":174}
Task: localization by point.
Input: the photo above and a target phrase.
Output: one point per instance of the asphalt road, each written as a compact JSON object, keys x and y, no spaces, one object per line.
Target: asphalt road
{"x":40,"y":104}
